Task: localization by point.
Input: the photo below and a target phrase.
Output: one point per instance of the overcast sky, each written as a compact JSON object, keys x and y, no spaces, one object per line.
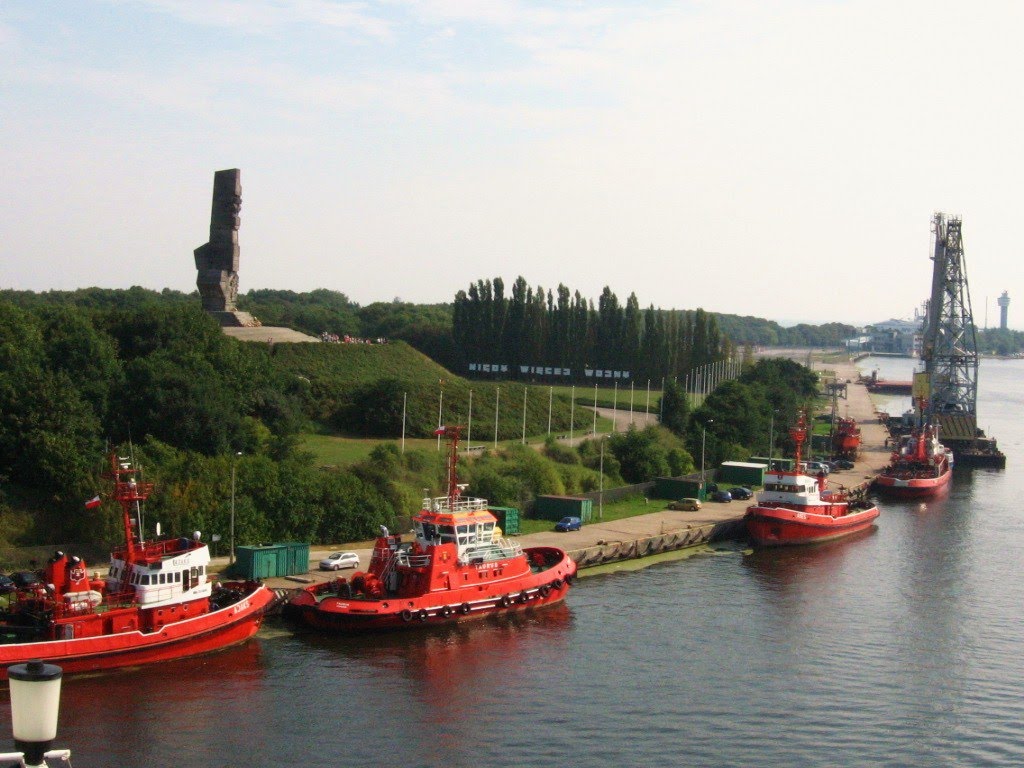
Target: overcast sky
{"x":778,"y":159}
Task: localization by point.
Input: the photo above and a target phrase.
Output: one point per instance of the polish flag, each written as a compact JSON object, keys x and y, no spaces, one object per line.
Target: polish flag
{"x":440,"y":430}
{"x":93,"y":502}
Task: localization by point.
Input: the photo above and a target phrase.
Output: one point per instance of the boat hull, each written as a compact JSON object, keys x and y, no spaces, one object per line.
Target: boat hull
{"x":897,"y":487}
{"x":527,"y":592}
{"x":180,"y":639}
{"x":780,"y":526}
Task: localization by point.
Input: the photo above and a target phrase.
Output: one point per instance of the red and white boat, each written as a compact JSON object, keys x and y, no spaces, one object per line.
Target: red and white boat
{"x":846,"y":439}
{"x":458,"y":567}
{"x":920,"y":467}
{"x":155,"y":604}
{"x":795,"y":508}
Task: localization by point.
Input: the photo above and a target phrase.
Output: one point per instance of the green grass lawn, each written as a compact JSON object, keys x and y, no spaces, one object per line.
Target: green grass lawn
{"x":342,"y":451}
{"x":607,"y":398}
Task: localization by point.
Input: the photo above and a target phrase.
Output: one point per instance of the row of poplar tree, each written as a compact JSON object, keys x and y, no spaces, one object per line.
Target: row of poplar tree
{"x":534,"y":327}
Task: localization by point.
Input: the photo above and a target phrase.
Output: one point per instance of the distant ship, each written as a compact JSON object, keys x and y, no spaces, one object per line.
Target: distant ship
{"x":920,"y":467}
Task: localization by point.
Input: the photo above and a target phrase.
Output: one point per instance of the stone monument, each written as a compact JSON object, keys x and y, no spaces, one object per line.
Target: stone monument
{"x":217,"y":260}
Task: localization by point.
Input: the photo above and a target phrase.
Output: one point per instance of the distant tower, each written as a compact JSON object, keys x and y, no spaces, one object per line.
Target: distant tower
{"x":1004,"y":303}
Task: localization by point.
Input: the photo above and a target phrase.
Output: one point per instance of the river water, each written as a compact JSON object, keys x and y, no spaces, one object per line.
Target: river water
{"x":899,"y":647}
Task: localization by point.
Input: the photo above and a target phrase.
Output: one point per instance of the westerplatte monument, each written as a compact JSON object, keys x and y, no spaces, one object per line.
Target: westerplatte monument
{"x":217,"y":260}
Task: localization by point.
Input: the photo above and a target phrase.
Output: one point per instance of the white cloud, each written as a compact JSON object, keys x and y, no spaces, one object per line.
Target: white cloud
{"x":265,"y":15}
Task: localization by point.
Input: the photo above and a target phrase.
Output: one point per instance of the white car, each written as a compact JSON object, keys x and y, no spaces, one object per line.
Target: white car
{"x":338,"y":560}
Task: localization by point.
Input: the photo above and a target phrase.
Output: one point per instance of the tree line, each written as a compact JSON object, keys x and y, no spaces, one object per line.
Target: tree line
{"x":534,"y":327}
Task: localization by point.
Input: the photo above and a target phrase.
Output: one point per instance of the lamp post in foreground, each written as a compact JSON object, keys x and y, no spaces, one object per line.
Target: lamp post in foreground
{"x":35,"y":703}
{"x":234,"y":461}
{"x":703,"y":436}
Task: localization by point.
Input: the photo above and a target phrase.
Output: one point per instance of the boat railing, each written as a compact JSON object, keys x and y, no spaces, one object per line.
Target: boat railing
{"x":412,"y":561}
{"x":498,"y":549}
{"x":460,"y":504}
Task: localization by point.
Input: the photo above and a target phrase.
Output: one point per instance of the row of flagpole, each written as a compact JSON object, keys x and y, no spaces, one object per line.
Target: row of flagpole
{"x":699,"y":383}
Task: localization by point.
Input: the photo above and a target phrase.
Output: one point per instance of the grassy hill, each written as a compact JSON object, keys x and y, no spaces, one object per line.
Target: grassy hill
{"x":359,"y":389}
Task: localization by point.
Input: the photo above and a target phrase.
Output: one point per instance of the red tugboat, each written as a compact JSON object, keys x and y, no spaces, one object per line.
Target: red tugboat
{"x":920,"y":467}
{"x":846,"y":439}
{"x":795,"y":508}
{"x":459,"y":567}
{"x":156,"y":603}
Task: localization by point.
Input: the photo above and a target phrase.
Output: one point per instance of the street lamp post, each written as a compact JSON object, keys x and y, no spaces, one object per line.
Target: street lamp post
{"x":600,"y":475}
{"x":703,"y":436}
{"x":234,"y":461}
{"x":35,"y":703}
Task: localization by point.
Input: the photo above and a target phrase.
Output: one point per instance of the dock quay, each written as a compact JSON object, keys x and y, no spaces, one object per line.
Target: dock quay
{"x":664,"y":530}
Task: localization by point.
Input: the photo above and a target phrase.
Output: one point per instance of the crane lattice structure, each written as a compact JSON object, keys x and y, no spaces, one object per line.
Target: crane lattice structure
{"x":950,"y":349}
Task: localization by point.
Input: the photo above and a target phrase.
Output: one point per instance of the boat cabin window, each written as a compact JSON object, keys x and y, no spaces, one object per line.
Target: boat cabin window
{"x":177,"y":577}
{"x":447,"y":534}
{"x":427,"y":531}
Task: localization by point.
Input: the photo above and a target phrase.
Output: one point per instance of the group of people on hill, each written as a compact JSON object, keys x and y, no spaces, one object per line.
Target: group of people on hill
{"x":333,"y":338}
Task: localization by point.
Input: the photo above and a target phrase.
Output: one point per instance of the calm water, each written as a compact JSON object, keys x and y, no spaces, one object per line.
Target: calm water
{"x":900,"y":647}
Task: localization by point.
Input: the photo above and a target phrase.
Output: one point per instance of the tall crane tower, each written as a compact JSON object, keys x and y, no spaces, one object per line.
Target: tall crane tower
{"x":950,"y":350}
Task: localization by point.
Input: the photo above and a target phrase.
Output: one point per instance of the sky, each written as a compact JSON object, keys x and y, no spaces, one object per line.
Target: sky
{"x":778,"y":158}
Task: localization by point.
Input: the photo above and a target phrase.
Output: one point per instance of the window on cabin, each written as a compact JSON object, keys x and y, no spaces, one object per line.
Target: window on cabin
{"x":177,"y":577}
{"x":163,"y":578}
{"x":447,"y":534}
{"x":145,"y":580}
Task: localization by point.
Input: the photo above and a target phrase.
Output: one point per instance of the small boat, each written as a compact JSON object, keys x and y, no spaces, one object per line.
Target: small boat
{"x":920,"y":466}
{"x":795,"y":508}
{"x":458,"y":567}
{"x":156,"y":603}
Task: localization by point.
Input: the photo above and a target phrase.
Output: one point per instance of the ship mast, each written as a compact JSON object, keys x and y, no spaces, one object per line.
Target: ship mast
{"x":452,"y":435}
{"x":128,"y":492}
{"x":799,"y":434}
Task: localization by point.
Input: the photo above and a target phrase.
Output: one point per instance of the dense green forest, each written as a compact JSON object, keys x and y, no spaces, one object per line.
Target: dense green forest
{"x":532,"y":327}
{"x":148,"y":373}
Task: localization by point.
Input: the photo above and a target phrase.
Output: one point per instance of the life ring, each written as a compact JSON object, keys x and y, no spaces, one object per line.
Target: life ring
{"x":545,"y":590}
{"x":464,"y":609}
{"x":421,"y":614}
{"x":406,"y":615}
{"x":447,"y":611}
{"x":505,"y":601}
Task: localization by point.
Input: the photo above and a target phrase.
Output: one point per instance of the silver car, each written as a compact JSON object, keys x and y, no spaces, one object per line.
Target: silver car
{"x":338,"y":560}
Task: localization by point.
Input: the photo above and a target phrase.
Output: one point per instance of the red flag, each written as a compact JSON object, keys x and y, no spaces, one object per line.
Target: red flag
{"x":93,"y":502}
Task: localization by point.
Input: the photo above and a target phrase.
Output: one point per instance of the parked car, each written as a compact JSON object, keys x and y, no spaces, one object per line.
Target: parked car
{"x":569,"y":524}
{"x":25,"y":579}
{"x":338,"y":560}
{"x":722,"y":496}
{"x":7,"y":584}
{"x":741,"y":493}
{"x":814,"y":467}
{"x":842,"y":464}
{"x":687,"y":505}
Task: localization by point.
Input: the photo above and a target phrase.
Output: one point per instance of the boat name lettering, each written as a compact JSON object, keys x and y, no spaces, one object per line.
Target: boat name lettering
{"x":801,"y":515}
{"x":242,"y":606}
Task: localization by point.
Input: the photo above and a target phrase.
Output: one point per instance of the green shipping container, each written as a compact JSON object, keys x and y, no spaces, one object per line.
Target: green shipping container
{"x":777,"y":462}
{"x":674,"y":488}
{"x":554,"y":508}
{"x":257,"y":562}
{"x":508,"y":519}
{"x":741,"y":473}
{"x":287,"y":559}
{"x":296,"y":558}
